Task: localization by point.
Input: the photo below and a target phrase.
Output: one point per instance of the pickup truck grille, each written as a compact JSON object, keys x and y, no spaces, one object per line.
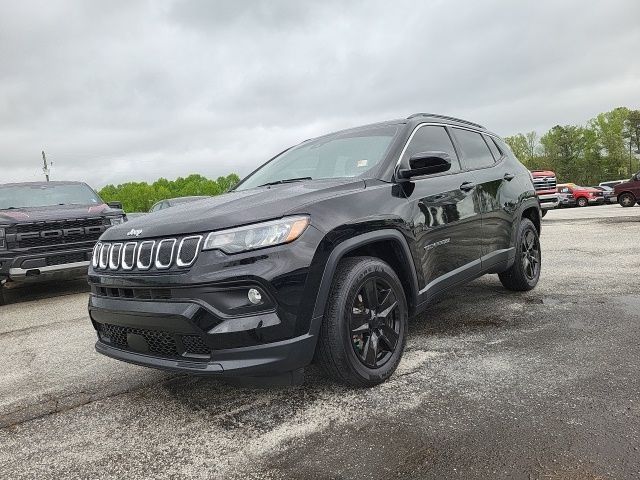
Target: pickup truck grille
{"x":44,"y":234}
{"x":544,"y":183}
{"x":146,"y":255}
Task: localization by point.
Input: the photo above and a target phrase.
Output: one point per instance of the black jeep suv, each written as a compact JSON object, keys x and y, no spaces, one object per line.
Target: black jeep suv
{"x":322,"y":253}
{"x":48,"y":230}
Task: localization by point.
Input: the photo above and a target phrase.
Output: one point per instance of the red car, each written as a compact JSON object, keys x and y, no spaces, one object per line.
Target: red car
{"x":629,"y":192}
{"x":583,"y":195}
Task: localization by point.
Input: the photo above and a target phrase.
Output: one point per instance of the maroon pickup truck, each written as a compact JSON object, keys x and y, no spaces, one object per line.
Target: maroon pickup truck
{"x":628,"y":193}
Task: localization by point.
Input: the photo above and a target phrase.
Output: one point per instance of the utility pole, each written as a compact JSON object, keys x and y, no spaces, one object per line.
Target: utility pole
{"x":45,"y":167}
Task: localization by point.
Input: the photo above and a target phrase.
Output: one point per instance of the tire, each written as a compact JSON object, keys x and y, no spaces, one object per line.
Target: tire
{"x":356,"y":348}
{"x":3,"y":300}
{"x":627,"y":200}
{"x":524,"y":274}
{"x":582,"y":202}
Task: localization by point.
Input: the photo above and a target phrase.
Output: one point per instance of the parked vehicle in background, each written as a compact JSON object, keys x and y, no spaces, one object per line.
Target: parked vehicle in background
{"x":323,"y":252}
{"x":544,"y":181}
{"x":172,"y":202}
{"x":48,"y":230}
{"x":583,"y":195}
{"x":611,"y":183}
{"x":608,"y":193}
{"x":628,"y":192}
{"x":566,"y":200}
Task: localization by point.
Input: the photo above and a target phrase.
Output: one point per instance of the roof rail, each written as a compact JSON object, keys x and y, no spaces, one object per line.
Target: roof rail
{"x":445,"y":117}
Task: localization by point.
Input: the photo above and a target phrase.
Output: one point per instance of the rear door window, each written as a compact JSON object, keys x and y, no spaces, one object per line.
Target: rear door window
{"x":475,"y":151}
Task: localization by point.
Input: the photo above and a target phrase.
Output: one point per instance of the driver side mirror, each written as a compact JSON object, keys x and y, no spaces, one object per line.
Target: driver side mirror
{"x":425,"y":163}
{"x":115,"y":204}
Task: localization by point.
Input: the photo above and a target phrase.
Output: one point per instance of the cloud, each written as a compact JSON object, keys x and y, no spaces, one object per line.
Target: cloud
{"x":127,"y":90}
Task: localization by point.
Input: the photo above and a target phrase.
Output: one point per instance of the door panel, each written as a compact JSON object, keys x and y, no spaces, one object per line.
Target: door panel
{"x":446,"y":223}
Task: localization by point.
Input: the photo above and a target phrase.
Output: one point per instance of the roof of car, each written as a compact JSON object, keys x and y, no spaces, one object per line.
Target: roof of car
{"x":40,"y":184}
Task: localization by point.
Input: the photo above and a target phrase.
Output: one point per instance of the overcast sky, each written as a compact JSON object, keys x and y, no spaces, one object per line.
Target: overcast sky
{"x":119,"y":91}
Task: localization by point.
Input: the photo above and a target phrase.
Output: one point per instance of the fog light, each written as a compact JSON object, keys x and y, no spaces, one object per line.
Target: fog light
{"x":255,"y":296}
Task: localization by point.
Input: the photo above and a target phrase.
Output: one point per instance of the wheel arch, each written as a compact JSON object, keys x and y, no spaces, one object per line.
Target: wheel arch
{"x":390,"y":246}
{"x":533,"y":214}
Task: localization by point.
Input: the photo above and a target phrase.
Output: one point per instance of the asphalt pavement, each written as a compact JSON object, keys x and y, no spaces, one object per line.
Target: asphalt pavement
{"x":493,"y":384}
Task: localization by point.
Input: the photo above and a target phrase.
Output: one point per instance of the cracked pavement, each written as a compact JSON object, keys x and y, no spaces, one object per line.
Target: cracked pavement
{"x":493,"y":384}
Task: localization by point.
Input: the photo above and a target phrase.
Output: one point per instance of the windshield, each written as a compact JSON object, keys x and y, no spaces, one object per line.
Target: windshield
{"x":347,"y":154}
{"x":29,"y":196}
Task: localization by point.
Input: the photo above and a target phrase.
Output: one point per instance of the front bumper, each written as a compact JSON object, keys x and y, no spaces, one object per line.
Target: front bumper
{"x":184,"y":336}
{"x":29,"y":266}
{"x":548,"y":201}
{"x":596,"y":201}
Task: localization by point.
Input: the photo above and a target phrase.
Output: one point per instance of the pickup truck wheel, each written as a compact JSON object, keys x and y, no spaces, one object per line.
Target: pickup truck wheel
{"x":2,"y":297}
{"x":627,"y":200}
{"x":364,"y":330}
{"x":583,"y":202}
{"x":525,"y":271}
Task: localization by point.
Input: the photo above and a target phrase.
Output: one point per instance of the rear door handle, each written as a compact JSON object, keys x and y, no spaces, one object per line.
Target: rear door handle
{"x":509,"y":176}
{"x":467,"y":186}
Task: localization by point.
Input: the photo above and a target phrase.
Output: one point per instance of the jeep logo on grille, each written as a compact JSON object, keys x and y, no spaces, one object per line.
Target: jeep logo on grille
{"x":134,"y":233}
{"x":59,"y":233}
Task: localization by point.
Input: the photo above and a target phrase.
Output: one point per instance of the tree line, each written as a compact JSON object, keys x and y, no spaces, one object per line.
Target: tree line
{"x":140,"y":196}
{"x":606,"y":148}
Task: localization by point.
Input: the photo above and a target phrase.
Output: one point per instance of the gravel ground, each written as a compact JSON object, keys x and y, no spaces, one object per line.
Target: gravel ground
{"x":493,"y":385}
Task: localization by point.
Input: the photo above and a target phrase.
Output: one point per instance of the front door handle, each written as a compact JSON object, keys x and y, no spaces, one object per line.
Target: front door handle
{"x":509,"y":176}
{"x":467,"y":186}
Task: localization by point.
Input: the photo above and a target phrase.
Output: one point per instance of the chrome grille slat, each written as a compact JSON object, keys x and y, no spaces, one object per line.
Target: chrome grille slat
{"x":104,"y":255}
{"x":95,"y":256}
{"x":187,"y":261}
{"x":144,"y":264}
{"x":129,"y":250}
{"x":163,"y":261}
{"x":114,"y":256}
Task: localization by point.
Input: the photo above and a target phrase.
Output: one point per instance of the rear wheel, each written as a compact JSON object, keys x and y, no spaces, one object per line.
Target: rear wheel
{"x":525,"y":271}
{"x":583,"y":202}
{"x":627,"y":200}
{"x":364,"y":329}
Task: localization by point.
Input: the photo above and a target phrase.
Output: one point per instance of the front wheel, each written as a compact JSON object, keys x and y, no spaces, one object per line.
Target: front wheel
{"x":583,"y":202}
{"x":627,"y":200}
{"x":524,"y":274}
{"x":364,"y":329}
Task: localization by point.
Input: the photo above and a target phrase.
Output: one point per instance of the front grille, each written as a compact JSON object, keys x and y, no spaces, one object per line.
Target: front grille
{"x":147,"y":254}
{"x":160,"y":343}
{"x":195,"y":345}
{"x":544,"y":183}
{"x":136,"y":293}
{"x":44,"y":234}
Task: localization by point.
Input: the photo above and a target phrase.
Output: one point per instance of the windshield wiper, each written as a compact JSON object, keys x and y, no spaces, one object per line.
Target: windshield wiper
{"x":288,"y":180}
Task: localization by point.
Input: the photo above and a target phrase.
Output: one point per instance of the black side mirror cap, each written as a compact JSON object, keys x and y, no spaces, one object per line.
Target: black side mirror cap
{"x":425,"y":163}
{"x":115,"y":204}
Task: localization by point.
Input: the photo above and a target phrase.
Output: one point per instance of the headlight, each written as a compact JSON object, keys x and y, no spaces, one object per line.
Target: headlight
{"x":258,"y":235}
{"x":117,"y":220}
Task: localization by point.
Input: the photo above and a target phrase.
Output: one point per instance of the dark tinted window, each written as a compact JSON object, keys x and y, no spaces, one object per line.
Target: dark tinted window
{"x":475,"y":152}
{"x":493,"y":147}
{"x":432,"y":138}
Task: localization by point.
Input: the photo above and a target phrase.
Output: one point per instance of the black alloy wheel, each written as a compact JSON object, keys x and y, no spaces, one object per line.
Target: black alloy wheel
{"x":530,"y":254}
{"x":375,"y":330}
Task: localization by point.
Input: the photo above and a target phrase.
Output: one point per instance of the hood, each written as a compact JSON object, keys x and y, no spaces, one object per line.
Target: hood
{"x":234,"y":208}
{"x":54,"y":212}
